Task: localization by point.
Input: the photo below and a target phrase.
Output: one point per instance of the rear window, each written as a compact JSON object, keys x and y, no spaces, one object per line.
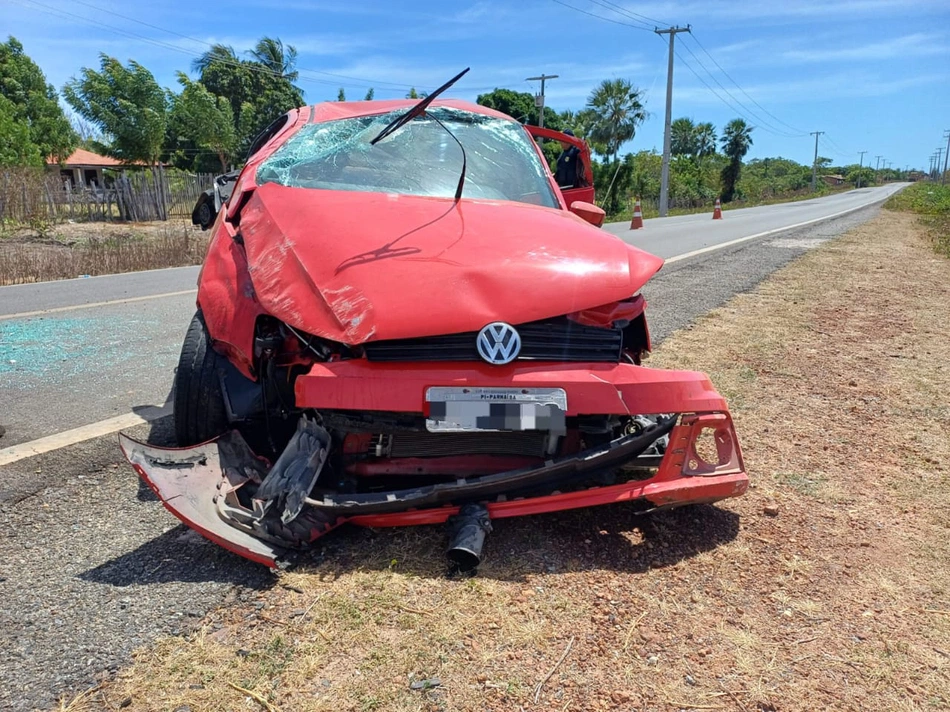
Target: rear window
{"x":419,"y":159}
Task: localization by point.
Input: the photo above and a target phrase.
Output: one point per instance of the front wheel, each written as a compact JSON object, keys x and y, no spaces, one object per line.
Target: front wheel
{"x":199,"y":411}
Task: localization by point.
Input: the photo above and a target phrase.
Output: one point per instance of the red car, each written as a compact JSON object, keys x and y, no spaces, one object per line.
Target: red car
{"x":402,"y":320}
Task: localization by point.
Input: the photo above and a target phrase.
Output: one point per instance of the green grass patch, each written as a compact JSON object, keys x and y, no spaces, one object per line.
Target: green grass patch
{"x":932,"y":202}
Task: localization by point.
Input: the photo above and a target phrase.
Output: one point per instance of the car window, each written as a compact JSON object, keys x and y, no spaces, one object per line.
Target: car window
{"x":419,"y":159}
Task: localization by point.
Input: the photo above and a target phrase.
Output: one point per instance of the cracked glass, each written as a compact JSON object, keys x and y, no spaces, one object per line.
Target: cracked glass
{"x":421,"y":158}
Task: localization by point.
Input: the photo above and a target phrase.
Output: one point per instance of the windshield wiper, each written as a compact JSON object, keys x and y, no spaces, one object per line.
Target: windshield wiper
{"x":417,"y":110}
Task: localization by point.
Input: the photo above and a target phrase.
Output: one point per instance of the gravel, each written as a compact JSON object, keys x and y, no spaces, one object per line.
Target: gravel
{"x":91,"y":567}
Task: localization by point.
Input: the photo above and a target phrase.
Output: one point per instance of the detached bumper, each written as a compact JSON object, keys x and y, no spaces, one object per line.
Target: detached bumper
{"x":191,"y":483}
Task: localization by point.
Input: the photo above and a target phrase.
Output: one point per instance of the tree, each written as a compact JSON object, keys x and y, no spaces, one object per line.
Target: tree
{"x":33,"y":104}
{"x":16,"y":147}
{"x":205,"y":119}
{"x":736,"y":141}
{"x":88,"y":133}
{"x":683,"y":137}
{"x":369,"y":95}
{"x":413,"y":94}
{"x":341,"y":95}
{"x":258,"y":90}
{"x":520,"y":106}
{"x":127,"y":104}
{"x":618,"y":112}
{"x":704,"y":137}
{"x":270,"y":53}
{"x":222,"y":54}
{"x":691,"y":139}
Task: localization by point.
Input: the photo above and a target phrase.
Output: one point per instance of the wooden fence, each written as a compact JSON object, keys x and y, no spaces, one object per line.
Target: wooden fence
{"x":29,"y":195}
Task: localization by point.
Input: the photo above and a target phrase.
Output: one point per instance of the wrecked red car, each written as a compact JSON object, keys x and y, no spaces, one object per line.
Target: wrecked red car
{"x":402,"y":320}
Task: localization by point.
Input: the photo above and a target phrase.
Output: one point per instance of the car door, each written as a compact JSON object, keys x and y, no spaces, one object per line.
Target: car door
{"x":585,"y":194}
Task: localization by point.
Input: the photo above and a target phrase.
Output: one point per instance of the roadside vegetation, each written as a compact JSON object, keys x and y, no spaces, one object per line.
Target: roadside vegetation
{"x":70,"y":250}
{"x":824,"y":587}
{"x":931,"y":201}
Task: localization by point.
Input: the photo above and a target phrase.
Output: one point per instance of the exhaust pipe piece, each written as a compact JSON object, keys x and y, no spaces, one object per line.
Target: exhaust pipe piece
{"x":467,"y":531}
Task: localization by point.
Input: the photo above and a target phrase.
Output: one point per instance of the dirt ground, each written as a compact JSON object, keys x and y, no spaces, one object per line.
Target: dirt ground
{"x":827,"y":586}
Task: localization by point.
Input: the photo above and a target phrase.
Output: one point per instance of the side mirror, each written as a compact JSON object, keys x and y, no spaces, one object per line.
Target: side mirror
{"x":589,"y":212}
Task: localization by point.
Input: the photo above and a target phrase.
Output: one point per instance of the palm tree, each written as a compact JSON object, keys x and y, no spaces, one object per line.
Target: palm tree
{"x":683,"y":137}
{"x":271,"y":53}
{"x":704,"y":135}
{"x":617,"y":112}
{"x":736,"y":141}
{"x":217,"y":53}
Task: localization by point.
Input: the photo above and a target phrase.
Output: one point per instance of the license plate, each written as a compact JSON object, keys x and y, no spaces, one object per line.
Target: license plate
{"x":459,"y":410}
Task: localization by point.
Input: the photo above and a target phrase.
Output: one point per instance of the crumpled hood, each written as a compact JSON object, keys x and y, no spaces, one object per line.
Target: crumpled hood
{"x":355,"y":267}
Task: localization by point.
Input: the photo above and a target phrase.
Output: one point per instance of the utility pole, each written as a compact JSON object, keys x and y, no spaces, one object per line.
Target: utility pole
{"x":878,"y":164}
{"x":860,"y":166}
{"x":539,"y":99}
{"x":939,"y":156}
{"x":946,"y":158}
{"x":814,"y":166}
{"x":665,"y":172}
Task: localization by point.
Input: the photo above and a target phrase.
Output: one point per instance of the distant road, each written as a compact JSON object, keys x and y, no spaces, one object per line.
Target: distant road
{"x":684,"y":234}
{"x":82,"y":351}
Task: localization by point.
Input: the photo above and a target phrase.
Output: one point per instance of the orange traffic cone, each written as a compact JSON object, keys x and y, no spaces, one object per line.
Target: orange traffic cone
{"x":637,"y":221}
{"x":717,"y":211}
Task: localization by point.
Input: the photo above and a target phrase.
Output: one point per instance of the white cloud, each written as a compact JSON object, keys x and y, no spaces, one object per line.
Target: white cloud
{"x":917,"y":45}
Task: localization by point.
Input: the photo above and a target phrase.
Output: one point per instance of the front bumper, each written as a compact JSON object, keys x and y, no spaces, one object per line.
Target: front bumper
{"x":191,"y":482}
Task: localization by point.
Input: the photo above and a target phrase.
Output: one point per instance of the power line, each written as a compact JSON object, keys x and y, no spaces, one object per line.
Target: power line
{"x":837,"y":149}
{"x":741,"y":109}
{"x":755,"y":117}
{"x":56,"y":12}
{"x":629,"y":13}
{"x":209,"y":44}
{"x":601,"y":17}
{"x":706,"y":84}
{"x":800,"y":132}
{"x":260,"y":69}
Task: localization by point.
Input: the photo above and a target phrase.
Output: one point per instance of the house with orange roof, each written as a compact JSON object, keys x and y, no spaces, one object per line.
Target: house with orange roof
{"x":84,"y":169}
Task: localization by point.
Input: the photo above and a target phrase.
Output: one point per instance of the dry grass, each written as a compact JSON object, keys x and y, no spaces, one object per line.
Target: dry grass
{"x":79,"y":249}
{"x":837,"y":369}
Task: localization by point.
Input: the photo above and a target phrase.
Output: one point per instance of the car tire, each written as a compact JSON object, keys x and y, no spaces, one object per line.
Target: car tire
{"x":199,"y":411}
{"x":205,"y":216}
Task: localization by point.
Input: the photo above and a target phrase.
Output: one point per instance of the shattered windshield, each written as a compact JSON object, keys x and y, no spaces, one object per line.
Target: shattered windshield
{"x":419,"y":159}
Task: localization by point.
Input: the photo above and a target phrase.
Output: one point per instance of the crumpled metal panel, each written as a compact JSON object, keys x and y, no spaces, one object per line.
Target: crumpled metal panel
{"x":353,"y":267}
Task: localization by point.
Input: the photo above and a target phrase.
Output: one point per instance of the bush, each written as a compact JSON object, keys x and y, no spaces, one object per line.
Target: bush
{"x":932,"y":202}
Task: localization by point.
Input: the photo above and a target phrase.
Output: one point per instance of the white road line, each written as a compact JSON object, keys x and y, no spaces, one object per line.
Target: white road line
{"x":114,"y":425}
{"x":81,"y":434}
{"x":739,"y":240}
{"x":91,"y":305}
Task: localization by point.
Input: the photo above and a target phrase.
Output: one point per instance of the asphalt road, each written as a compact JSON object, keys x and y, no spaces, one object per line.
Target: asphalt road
{"x":91,"y":566}
{"x":668,"y":237}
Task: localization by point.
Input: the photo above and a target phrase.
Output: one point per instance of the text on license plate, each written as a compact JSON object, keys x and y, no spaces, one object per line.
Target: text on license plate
{"x":495,"y":409}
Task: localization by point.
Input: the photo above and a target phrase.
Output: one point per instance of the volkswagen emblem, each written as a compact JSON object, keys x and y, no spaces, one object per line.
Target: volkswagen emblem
{"x":498,"y":343}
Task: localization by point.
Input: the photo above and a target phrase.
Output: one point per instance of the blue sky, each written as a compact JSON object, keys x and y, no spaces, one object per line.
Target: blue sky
{"x":873,"y":74}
